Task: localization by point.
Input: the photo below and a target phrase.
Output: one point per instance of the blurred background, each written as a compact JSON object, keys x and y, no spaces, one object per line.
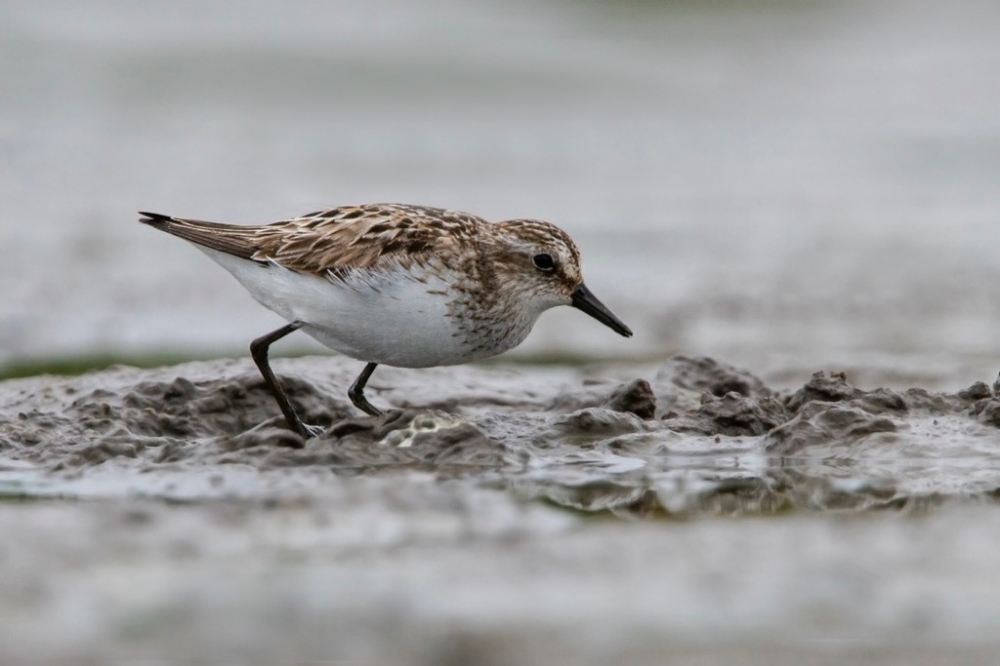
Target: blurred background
{"x":755,"y":180}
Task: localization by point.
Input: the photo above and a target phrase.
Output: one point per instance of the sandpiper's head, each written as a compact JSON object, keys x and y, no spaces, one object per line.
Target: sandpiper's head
{"x":540,"y":264}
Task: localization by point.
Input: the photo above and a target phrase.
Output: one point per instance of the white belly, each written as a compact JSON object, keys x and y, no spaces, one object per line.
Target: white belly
{"x":384,"y":318}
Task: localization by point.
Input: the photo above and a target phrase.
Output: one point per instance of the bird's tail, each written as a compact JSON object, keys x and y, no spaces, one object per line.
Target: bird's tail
{"x":232,"y":239}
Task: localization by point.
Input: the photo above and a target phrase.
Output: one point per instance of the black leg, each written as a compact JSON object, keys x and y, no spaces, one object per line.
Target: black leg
{"x":258,"y":349}
{"x":357,"y":391}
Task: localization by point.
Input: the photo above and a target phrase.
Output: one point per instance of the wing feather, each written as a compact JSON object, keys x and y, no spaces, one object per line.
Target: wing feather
{"x":337,"y":241}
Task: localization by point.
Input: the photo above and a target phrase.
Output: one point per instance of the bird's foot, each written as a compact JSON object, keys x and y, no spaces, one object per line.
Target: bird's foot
{"x":306,"y":431}
{"x":314,"y":431}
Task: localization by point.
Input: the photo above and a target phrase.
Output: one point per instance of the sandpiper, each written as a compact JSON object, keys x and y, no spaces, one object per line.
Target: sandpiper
{"x":395,"y":284}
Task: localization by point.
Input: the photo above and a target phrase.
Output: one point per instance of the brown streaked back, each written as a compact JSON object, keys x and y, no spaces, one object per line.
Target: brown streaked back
{"x":334,"y":241}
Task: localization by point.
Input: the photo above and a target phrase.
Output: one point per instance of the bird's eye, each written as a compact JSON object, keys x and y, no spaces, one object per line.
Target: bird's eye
{"x":544,"y":262}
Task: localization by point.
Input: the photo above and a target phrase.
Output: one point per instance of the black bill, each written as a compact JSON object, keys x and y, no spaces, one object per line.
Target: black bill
{"x":584,"y":300}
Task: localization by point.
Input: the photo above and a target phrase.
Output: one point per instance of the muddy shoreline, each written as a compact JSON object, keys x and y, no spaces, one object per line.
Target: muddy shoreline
{"x":494,"y":514}
{"x":590,"y":443}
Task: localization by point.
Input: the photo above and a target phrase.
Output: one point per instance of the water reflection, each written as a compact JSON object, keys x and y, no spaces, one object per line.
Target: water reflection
{"x":838,"y":485}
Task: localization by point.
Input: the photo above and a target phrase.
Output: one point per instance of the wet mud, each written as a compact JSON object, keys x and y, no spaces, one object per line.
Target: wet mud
{"x":496,"y":516}
{"x":693,"y":435}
